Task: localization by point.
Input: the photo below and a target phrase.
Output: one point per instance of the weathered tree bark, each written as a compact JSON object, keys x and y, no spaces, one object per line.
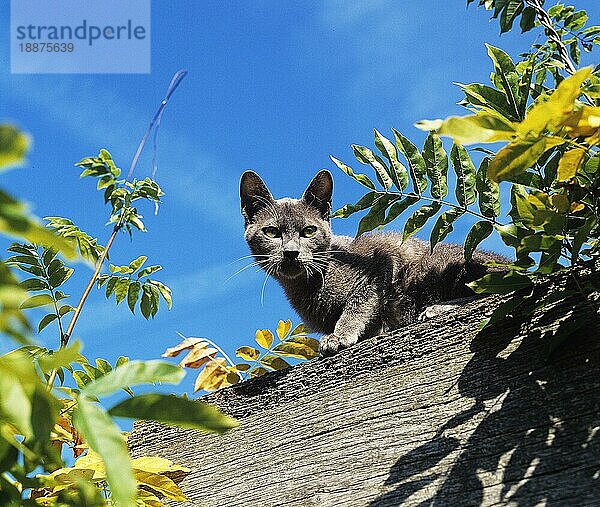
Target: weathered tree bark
{"x":433,"y":414}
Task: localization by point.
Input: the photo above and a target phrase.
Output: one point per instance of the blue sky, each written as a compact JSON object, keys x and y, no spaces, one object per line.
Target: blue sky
{"x":275,"y":87}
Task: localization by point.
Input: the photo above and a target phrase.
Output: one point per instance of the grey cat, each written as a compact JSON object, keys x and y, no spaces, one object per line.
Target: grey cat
{"x":349,"y":289}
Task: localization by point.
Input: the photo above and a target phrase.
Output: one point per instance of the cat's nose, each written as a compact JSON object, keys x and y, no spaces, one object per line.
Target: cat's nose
{"x":291,"y":255}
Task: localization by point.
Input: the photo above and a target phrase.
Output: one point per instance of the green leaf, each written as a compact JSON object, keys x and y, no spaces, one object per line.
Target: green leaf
{"x":148,"y":271}
{"x":111,"y":285}
{"x":487,"y":97}
{"x":527,"y":19}
{"x":398,"y":172}
{"x":133,"y":293}
{"x":176,"y":411}
{"x":399,"y":207}
{"x":46,"y":320}
{"x":416,"y":163}
{"x":376,"y":215}
{"x":436,"y":161}
{"x":443,"y":225}
{"x":506,"y":70}
{"x":121,"y":289}
{"x":365,"y":202}
{"x":500,"y":283}
{"x":488,"y":191}
{"x":274,"y":362}
{"x":366,"y":156}
{"x":361,"y":178}
{"x":13,"y":146}
{"x":35,"y":301}
{"x":32,"y":284}
{"x":465,"y":175}
{"x":60,"y":276}
{"x":134,"y":373}
{"x":105,"y":438}
{"x":477,"y":234}
{"x":419,"y":218}
{"x":165,"y":292}
{"x":518,"y":156}
{"x":137,"y":263}
{"x":146,"y":304}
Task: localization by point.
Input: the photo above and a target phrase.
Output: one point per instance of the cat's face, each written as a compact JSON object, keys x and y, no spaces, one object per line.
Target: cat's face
{"x":288,"y":237}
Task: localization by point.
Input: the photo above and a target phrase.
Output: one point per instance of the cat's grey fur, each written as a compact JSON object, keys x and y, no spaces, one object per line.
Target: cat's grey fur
{"x":346,"y":288}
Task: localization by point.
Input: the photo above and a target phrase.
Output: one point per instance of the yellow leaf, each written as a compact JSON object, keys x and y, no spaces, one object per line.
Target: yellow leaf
{"x":570,"y":163}
{"x":585,"y":122}
{"x":259,"y":371}
{"x":160,"y":484}
{"x":577,"y":206}
{"x":247,"y":353}
{"x":273,"y":362}
{"x":213,"y":376}
{"x":283,"y":328}
{"x":156,"y":465}
{"x":148,"y":499}
{"x":552,"y":112}
{"x":300,"y":347}
{"x":186,"y":344}
{"x":300,"y":329}
{"x":199,"y":355}
{"x":482,"y":127}
{"x":518,"y":156}
{"x":264,"y":338}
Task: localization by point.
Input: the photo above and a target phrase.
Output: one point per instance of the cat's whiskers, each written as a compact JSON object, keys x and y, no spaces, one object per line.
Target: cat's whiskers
{"x":258,"y":263}
{"x":271,"y":266}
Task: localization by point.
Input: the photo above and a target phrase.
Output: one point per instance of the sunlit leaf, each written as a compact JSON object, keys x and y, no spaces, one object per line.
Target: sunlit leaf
{"x":134,"y":373}
{"x":436,"y":161}
{"x":174,"y":410}
{"x":482,"y":127}
{"x":519,"y":156}
{"x":416,"y":163}
{"x":248,"y":353}
{"x":570,"y":163}
{"x":361,"y":178}
{"x":283,"y":328}
{"x":398,"y":172}
{"x":365,"y":156}
{"x":465,"y":175}
{"x":443,"y":225}
{"x":104,"y":437}
{"x":273,"y":362}
{"x":419,"y":218}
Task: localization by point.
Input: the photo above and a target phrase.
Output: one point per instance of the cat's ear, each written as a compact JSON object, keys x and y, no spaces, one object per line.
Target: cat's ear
{"x":319,"y":192}
{"x":254,"y":195}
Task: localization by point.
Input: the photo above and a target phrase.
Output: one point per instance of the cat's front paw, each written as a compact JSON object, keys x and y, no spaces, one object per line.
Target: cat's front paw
{"x":331,"y":344}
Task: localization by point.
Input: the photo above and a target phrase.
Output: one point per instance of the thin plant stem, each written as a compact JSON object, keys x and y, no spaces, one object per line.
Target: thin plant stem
{"x":179,"y":75}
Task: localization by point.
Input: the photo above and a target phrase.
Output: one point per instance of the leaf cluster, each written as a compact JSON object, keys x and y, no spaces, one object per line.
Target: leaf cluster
{"x":139,"y":288}
{"x":120,"y":193}
{"x":217,"y":372}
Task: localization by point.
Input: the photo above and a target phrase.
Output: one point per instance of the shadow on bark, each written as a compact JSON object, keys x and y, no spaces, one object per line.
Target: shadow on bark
{"x":547,"y":453}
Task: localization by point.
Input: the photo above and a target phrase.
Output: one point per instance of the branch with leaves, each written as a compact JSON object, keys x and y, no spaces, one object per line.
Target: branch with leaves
{"x":218,"y":370}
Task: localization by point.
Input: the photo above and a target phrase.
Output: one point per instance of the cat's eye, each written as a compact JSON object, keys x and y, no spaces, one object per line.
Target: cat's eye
{"x":272,"y":232}
{"x":308,"y":232}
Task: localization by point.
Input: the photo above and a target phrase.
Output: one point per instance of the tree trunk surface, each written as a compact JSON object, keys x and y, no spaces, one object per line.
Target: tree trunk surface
{"x":433,"y":414}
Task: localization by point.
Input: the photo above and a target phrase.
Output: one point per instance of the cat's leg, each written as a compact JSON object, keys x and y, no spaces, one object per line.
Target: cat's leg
{"x":444,"y":307}
{"x":361,"y":309}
